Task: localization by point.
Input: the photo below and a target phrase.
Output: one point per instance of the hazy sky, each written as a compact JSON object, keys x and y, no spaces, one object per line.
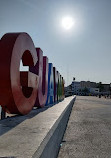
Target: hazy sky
{"x":83,"y":52}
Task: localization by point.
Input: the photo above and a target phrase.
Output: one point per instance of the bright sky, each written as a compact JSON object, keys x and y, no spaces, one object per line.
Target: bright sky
{"x":83,"y":51}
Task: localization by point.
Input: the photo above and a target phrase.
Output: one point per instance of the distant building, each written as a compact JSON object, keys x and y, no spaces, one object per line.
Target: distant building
{"x":94,"y":91}
{"x":76,"y":87}
{"x":68,"y":91}
{"x":87,"y":88}
{"x":88,"y":84}
{"x":106,"y":87}
{"x":84,"y":87}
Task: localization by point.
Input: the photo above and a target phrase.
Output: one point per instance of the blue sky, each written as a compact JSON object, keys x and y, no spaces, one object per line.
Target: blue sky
{"x":84,"y":52}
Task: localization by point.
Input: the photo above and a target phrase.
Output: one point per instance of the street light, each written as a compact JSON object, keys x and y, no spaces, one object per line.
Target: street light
{"x":73,"y":86}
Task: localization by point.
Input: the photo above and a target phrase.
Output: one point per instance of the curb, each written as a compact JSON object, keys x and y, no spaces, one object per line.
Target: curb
{"x":50,"y":145}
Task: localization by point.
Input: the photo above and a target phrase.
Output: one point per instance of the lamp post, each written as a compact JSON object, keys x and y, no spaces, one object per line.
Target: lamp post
{"x":73,"y":86}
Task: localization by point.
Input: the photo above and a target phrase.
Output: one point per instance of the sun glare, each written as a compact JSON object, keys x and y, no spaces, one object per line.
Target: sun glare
{"x":67,"y":22}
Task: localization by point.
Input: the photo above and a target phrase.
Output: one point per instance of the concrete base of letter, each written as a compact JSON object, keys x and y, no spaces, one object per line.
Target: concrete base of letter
{"x":36,"y":135}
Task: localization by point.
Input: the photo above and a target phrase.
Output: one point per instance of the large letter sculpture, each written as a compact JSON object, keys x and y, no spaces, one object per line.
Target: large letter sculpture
{"x":58,"y":86}
{"x":55,"y":84}
{"x":50,"y":95}
{"x":15,"y":97}
{"x":21,"y":90}
{"x":63,"y":95}
{"x":41,"y":69}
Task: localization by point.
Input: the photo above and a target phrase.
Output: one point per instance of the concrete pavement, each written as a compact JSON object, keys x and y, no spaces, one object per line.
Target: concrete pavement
{"x":88,"y":134}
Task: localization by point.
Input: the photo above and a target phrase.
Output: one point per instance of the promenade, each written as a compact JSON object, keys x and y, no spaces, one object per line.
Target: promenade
{"x":88,"y":133}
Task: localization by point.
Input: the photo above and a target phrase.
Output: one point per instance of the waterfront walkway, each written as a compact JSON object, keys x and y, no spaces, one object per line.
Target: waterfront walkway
{"x":88,"y":134}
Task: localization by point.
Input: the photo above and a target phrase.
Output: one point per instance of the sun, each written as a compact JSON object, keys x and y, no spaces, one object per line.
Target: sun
{"x":67,"y":22}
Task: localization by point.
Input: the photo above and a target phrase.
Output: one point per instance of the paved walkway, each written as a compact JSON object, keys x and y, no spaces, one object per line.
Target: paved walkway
{"x":88,"y":134}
